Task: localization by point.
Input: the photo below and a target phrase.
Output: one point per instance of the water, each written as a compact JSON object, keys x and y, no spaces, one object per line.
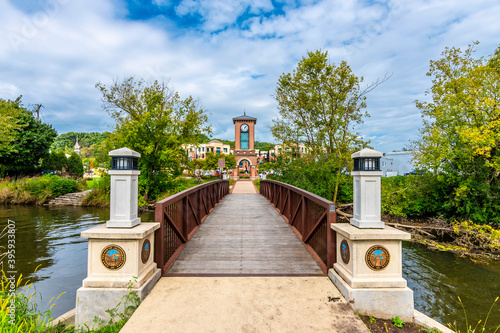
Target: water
{"x":438,"y":278}
{"x":51,"y":236}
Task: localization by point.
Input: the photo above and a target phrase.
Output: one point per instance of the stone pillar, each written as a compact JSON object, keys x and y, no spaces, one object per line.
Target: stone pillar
{"x":120,"y":253}
{"x":368,"y":268}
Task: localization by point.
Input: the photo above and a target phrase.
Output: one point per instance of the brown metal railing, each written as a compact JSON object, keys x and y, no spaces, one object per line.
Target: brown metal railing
{"x":180,"y":215}
{"x":309,"y":216}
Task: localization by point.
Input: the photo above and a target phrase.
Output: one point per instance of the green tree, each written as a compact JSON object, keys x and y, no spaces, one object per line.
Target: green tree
{"x":31,"y":142}
{"x":212,"y":161}
{"x":9,"y":116}
{"x":74,"y":165}
{"x":320,"y":105}
{"x":153,"y":120}
{"x":55,"y":161}
{"x":461,"y":131}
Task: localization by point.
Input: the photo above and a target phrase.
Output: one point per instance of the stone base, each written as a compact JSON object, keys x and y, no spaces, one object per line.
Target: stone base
{"x":367,"y":224}
{"x":93,"y":302}
{"x":383,"y":303}
{"x":123,"y":224}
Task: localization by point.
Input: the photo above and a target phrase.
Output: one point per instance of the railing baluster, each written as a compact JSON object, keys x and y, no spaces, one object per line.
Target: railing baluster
{"x":312,"y":220}
{"x":167,"y":244}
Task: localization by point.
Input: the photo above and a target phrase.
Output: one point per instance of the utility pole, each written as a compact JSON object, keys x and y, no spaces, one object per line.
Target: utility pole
{"x":38,"y":106}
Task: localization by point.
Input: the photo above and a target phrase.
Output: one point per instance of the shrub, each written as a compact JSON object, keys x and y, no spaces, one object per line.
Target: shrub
{"x":35,"y":190}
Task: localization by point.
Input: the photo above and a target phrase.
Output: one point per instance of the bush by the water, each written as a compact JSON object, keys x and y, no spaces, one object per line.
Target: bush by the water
{"x":35,"y":191}
{"x":440,"y":196}
{"x":101,"y":195}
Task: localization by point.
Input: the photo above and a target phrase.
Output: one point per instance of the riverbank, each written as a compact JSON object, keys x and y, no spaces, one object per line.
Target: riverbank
{"x":480,"y":243}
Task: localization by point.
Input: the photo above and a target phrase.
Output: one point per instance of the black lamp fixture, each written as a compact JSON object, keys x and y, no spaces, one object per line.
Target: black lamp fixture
{"x":124,"y":159}
{"x":367,"y":160}
{"x":367,"y":164}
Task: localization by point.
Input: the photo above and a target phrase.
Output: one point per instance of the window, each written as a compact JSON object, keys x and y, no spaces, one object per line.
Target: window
{"x":218,"y":150}
{"x":244,"y":141}
{"x":225,"y":150}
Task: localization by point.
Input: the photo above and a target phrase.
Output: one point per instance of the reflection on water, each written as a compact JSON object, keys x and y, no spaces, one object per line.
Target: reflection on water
{"x":438,"y":278}
{"x":50,"y":236}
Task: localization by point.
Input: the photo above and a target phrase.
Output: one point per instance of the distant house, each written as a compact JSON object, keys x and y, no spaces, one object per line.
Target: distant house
{"x":396,"y":163}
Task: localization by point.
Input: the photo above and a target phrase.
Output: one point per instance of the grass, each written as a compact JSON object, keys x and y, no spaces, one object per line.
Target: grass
{"x":35,"y":191}
{"x":19,"y":313}
{"x":478,"y":328}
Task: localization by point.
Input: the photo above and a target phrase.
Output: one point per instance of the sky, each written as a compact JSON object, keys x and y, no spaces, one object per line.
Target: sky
{"x":229,"y":54}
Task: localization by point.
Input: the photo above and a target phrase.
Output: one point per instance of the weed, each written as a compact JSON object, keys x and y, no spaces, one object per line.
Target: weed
{"x":398,"y":322}
{"x":477,"y":328}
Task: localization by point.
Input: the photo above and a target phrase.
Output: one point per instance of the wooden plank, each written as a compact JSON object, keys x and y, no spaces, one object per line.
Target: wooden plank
{"x":245,"y":235}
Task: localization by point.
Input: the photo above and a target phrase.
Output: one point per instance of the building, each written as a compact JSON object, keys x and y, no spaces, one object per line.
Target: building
{"x":195,"y":152}
{"x":398,"y":163}
{"x":244,"y":146}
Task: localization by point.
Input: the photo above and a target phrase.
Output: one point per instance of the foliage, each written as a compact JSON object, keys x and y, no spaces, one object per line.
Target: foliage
{"x":100,"y":196}
{"x":398,"y":322}
{"x":477,"y":328}
{"x":35,"y":190}
{"x":461,"y":131}
{"x":55,"y":161}
{"x":74,"y":165}
{"x":18,"y":310}
{"x":153,"y":120}
{"x":9,"y":114}
{"x":66,"y":141}
{"x":30,"y":141}
{"x":264,"y":146}
{"x":316,"y":175}
{"x":320,"y":104}
{"x":121,"y":313}
{"x":212,"y":161}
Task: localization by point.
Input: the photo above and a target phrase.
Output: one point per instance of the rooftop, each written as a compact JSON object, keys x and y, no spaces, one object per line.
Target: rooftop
{"x":244,"y":117}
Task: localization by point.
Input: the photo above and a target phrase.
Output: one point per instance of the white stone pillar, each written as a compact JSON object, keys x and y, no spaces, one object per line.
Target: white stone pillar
{"x":368,"y":268}
{"x":366,"y":189}
{"x":120,"y":252}
{"x":124,"y":189}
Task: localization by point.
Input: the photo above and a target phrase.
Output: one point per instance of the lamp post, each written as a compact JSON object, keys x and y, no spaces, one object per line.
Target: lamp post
{"x":124,"y":188}
{"x":120,"y":253}
{"x":368,"y":268}
{"x":366,"y":190}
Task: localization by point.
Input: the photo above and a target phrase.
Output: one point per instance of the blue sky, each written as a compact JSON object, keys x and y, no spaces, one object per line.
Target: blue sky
{"x":229,"y":54}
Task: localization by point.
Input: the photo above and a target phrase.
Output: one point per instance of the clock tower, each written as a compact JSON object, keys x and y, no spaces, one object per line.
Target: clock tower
{"x":244,"y":149}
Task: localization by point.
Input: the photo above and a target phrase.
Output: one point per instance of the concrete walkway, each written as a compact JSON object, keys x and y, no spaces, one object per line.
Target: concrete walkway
{"x":252,"y":304}
{"x":244,"y":187}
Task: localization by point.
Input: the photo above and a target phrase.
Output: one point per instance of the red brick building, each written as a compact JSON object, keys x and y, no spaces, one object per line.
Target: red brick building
{"x":244,"y":148}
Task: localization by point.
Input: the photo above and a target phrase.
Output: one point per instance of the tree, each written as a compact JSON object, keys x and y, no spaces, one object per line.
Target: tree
{"x":212,"y":161}
{"x":55,"y":161}
{"x":461,"y":129}
{"x":9,"y":114}
{"x":31,"y":140}
{"x":153,"y":120}
{"x":74,"y":165}
{"x":320,"y":104}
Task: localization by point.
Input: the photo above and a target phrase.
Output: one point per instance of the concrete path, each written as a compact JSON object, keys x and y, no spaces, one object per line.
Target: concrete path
{"x":245,"y":235}
{"x":252,"y":304}
{"x":244,"y":187}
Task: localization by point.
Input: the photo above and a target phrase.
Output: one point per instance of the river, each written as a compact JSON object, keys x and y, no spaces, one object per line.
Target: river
{"x":50,"y":236}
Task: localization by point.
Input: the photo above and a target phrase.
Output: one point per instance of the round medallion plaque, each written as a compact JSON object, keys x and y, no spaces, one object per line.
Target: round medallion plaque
{"x":113,"y":257}
{"x":345,"y":253}
{"x":377,"y":257}
{"x":146,"y":250}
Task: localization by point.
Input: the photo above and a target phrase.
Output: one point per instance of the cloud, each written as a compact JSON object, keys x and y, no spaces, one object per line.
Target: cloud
{"x":229,"y":55}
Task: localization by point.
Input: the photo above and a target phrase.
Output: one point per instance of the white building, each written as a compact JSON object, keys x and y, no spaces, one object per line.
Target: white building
{"x":396,"y":163}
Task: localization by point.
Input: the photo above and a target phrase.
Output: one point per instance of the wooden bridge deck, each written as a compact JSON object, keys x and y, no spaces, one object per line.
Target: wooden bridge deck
{"x":245,"y":235}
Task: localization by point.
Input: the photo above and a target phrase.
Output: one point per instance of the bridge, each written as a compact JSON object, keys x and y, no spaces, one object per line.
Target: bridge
{"x":245,"y":262}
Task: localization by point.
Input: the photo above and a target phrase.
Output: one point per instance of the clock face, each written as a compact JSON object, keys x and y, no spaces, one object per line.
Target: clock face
{"x":244,"y":128}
